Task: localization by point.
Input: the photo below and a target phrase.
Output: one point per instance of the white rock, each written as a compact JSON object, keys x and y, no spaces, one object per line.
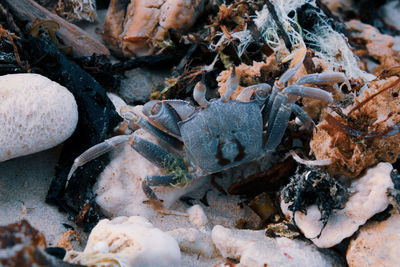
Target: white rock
{"x":370,"y":197}
{"x":128,"y":241}
{"x":119,"y":187}
{"x":194,"y":241}
{"x":254,"y":249}
{"x":35,"y":114}
{"x":197,"y":216}
{"x":377,"y":244}
{"x":139,"y":83}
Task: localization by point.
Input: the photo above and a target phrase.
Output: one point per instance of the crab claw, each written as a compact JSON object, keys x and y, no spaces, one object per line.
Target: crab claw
{"x":298,"y":58}
{"x":199,"y":93}
{"x":231,"y":85}
{"x":325,"y":78}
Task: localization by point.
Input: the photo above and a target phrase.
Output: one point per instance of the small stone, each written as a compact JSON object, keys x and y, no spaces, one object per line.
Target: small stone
{"x":253,"y":248}
{"x":129,"y":241}
{"x":35,"y":114}
{"x":197,"y":216}
{"x":370,"y":197}
{"x":194,"y":241}
{"x":378,"y":244}
{"x":139,"y":84}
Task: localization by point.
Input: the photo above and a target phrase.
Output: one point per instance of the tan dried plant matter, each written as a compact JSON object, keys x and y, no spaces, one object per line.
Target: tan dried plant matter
{"x":371,"y":43}
{"x":358,"y":139}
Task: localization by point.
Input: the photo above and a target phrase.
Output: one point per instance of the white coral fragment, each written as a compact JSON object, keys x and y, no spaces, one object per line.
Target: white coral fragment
{"x":254,"y":248}
{"x":35,"y":114}
{"x":127,"y":241}
{"x":369,"y":197}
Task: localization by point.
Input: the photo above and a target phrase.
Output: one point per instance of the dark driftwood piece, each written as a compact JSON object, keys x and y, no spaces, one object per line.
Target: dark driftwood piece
{"x":97,"y":119}
{"x":81,"y":42}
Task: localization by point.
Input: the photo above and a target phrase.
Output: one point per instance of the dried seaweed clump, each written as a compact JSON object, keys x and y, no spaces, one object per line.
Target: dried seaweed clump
{"x":72,"y":10}
{"x":314,"y":186}
{"x":248,"y":75}
{"x":370,"y":43}
{"x":366,"y":135}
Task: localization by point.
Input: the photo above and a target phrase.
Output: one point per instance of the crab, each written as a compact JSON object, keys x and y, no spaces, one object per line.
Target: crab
{"x":218,"y":134}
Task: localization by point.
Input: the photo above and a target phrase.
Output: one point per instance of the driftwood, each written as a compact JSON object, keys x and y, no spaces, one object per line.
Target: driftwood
{"x":81,"y":42}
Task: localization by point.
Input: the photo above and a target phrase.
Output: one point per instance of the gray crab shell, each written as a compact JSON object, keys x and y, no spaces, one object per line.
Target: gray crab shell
{"x":223,"y":135}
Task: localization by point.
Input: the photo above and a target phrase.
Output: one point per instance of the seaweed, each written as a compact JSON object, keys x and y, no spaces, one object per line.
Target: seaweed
{"x":311,"y":186}
{"x":97,"y":119}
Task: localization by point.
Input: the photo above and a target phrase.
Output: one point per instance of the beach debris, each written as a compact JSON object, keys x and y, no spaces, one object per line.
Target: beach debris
{"x":127,"y":241}
{"x":194,"y":241}
{"x":263,"y":206}
{"x":68,"y":239}
{"x":36,"y":114}
{"x":286,"y":26}
{"x":197,"y":217}
{"x":314,"y":186}
{"x":282,"y":229}
{"x":139,"y":84}
{"x":376,"y":244}
{"x":364,"y":133}
{"x":24,"y":246}
{"x":253,"y":248}
{"x":369,"y":44}
{"x":72,"y":10}
{"x":369,"y":196}
{"x":81,"y":42}
{"x":140,"y":27}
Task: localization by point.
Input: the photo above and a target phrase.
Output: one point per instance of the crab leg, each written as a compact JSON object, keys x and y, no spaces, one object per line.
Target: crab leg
{"x":96,"y":151}
{"x":147,"y":149}
{"x":299,"y":90}
{"x":295,"y":65}
{"x":279,"y":100}
{"x":231,"y":85}
{"x":278,"y":128}
{"x":325,"y":78}
{"x":302,"y":116}
{"x":199,"y":94}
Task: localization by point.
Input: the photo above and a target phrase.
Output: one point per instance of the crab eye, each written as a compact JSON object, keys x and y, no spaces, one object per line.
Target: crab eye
{"x":155,"y":109}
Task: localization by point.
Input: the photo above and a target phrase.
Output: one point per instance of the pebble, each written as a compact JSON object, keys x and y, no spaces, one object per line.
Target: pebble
{"x":35,"y":114}
{"x":369,"y":197}
{"x":128,"y":241}
{"x":140,"y":83}
{"x":194,"y":241}
{"x":378,"y":244}
{"x":253,"y":248}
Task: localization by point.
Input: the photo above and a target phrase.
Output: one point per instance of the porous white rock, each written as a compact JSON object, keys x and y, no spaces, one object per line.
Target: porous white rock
{"x":377,"y":244}
{"x":197,"y":216}
{"x":127,"y":241}
{"x":368,"y":198}
{"x":194,"y":241}
{"x":35,"y":114}
{"x":119,"y":187}
{"x":254,"y":248}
